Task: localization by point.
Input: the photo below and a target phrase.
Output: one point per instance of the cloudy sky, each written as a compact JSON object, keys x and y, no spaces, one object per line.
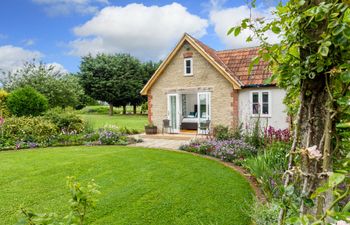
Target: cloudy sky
{"x":59,"y":32}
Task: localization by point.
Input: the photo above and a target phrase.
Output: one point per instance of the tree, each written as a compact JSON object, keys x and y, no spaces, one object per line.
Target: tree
{"x":114,"y":79}
{"x":26,"y":101}
{"x":312,"y":63}
{"x":61,"y":90}
{"x":148,"y":69}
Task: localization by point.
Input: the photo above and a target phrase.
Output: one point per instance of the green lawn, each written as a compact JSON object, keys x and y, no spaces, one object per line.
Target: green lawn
{"x":139,"y":186}
{"x":130,"y":121}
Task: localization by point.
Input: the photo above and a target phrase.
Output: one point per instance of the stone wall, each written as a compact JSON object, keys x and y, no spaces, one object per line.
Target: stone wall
{"x":205,"y":77}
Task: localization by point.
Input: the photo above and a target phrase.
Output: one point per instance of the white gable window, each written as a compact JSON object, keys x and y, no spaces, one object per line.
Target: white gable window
{"x":261,"y":103}
{"x":188,"y":67}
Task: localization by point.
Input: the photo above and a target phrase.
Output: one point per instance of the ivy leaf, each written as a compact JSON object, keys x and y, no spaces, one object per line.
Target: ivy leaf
{"x":276,"y":30}
{"x":254,"y":61}
{"x":345,"y":76}
{"x":333,"y":24}
{"x":249,"y":39}
{"x":320,"y":190}
{"x":237,"y":31}
{"x":323,"y":50}
{"x":231,"y":30}
{"x":338,"y":29}
{"x":335,"y":179}
{"x":346,"y":31}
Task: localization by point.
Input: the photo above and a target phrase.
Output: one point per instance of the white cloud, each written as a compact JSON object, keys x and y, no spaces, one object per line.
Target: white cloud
{"x":66,"y":7}
{"x":145,"y":32}
{"x":12,"y":57}
{"x":224,"y":19}
{"x":57,"y":67}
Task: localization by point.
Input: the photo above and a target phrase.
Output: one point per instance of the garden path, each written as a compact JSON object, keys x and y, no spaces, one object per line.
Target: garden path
{"x":166,"y":141}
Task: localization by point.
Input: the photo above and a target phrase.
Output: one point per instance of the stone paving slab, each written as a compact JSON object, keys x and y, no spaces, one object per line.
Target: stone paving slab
{"x":160,"y":142}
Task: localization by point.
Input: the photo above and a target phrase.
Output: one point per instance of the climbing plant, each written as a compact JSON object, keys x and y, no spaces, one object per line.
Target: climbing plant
{"x":311,"y":61}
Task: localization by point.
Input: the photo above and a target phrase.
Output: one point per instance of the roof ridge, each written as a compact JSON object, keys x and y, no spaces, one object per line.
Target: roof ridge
{"x":237,"y":49}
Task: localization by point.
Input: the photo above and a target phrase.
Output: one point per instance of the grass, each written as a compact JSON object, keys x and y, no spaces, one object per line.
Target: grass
{"x":139,"y":186}
{"x":130,"y":121}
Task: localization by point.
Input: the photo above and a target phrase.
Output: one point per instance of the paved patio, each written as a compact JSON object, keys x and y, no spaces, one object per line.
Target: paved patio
{"x":166,"y":141}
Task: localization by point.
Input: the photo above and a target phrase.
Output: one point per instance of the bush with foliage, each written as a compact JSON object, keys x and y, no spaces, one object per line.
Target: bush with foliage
{"x":26,"y":101}
{"x":66,"y":119}
{"x":4,"y":112}
{"x":268,"y":167}
{"x":265,"y":213}
{"x":82,"y":200}
{"x":27,"y":129}
{"x":60,"y":89}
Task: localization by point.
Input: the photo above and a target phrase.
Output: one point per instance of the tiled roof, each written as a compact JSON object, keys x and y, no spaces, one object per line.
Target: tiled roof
{"x":236,"y":62}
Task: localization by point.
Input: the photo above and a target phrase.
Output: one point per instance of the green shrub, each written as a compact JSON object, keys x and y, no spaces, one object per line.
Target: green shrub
{"x":222,"y":133}
{"x":66,"y":120}
{"x":268,"y":167}
{"x":26,"y":101}
{"x":29,"y":129}
{"x":4,"y":112}
{"x":263,"y":214}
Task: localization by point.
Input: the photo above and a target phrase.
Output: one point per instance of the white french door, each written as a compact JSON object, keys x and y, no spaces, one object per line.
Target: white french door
{"x":174,"y":112}
{"x":203,"y":102}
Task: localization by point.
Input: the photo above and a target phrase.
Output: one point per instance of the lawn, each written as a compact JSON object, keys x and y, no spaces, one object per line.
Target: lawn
{"x":130,"y":121}
{"x":139,"y":186}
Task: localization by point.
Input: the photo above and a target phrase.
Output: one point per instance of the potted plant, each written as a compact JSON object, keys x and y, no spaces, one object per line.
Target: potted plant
{"x":150,"y":128}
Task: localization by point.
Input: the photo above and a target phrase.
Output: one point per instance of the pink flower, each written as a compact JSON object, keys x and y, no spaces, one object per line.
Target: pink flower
{"x":313,"y":152}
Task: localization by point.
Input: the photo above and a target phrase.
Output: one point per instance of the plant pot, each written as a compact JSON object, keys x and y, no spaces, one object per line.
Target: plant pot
{"x":151,"y":130}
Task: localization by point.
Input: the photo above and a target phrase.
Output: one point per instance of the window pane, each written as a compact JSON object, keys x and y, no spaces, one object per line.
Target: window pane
{"x":255,"y":108}
{"x":188,"y":70}
{"x":255,"y":97}
{"x":265,"y":96}
{"x":265,"y":109}
{"x":188,"y":63}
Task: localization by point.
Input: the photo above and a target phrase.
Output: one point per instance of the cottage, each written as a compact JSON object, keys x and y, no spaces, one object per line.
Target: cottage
{"x":196,"y":84}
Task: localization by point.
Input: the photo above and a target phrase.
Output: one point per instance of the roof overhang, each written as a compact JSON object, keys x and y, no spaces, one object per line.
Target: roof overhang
{"x":235,"y":83}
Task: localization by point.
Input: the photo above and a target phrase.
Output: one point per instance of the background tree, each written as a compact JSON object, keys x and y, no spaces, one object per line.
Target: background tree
{"x":59,"y":88}
{"x":148,"y":69}
{"x":115,"y":79}
{"x":312,"y":63}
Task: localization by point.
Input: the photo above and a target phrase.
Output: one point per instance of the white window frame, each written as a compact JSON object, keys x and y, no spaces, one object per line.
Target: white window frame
{"x":260,"y":101}
{"x":185,"y":71}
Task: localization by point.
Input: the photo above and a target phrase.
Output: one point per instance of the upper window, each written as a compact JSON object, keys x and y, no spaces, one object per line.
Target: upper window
{"x":260,"y":103}
{"x":188,"y":67}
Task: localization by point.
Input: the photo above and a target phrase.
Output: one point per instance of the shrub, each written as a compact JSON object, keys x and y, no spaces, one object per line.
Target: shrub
{"x":222,"y":132}
{"x":65,"y":119}
{"x":263,"y":214}
{"x":4,"y":112}
{"x":268,"y":168}
{"x":26,"y":102}
{"x":29,"y":129}
{"x":227,"y":150}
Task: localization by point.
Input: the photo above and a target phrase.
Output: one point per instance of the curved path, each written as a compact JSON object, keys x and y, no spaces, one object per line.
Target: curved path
{"x":138,"y":185}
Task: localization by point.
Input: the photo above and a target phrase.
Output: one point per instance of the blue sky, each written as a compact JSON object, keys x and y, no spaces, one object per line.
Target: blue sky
{"x":59,"y":32}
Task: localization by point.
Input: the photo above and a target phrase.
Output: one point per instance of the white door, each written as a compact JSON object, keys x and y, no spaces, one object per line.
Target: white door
{"x":174,"y":112}
{"x":203,"y":102}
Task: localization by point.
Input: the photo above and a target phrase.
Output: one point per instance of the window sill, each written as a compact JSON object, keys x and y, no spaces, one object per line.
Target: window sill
{"x":261,"y":116}
{"x":188,"y":75}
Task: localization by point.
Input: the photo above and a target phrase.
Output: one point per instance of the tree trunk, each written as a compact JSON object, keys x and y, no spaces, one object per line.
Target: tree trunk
{"x":312,"y":129}
{"x":110,"y":109}
{"x":134,"y":108}
{"x":124,"y":109}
